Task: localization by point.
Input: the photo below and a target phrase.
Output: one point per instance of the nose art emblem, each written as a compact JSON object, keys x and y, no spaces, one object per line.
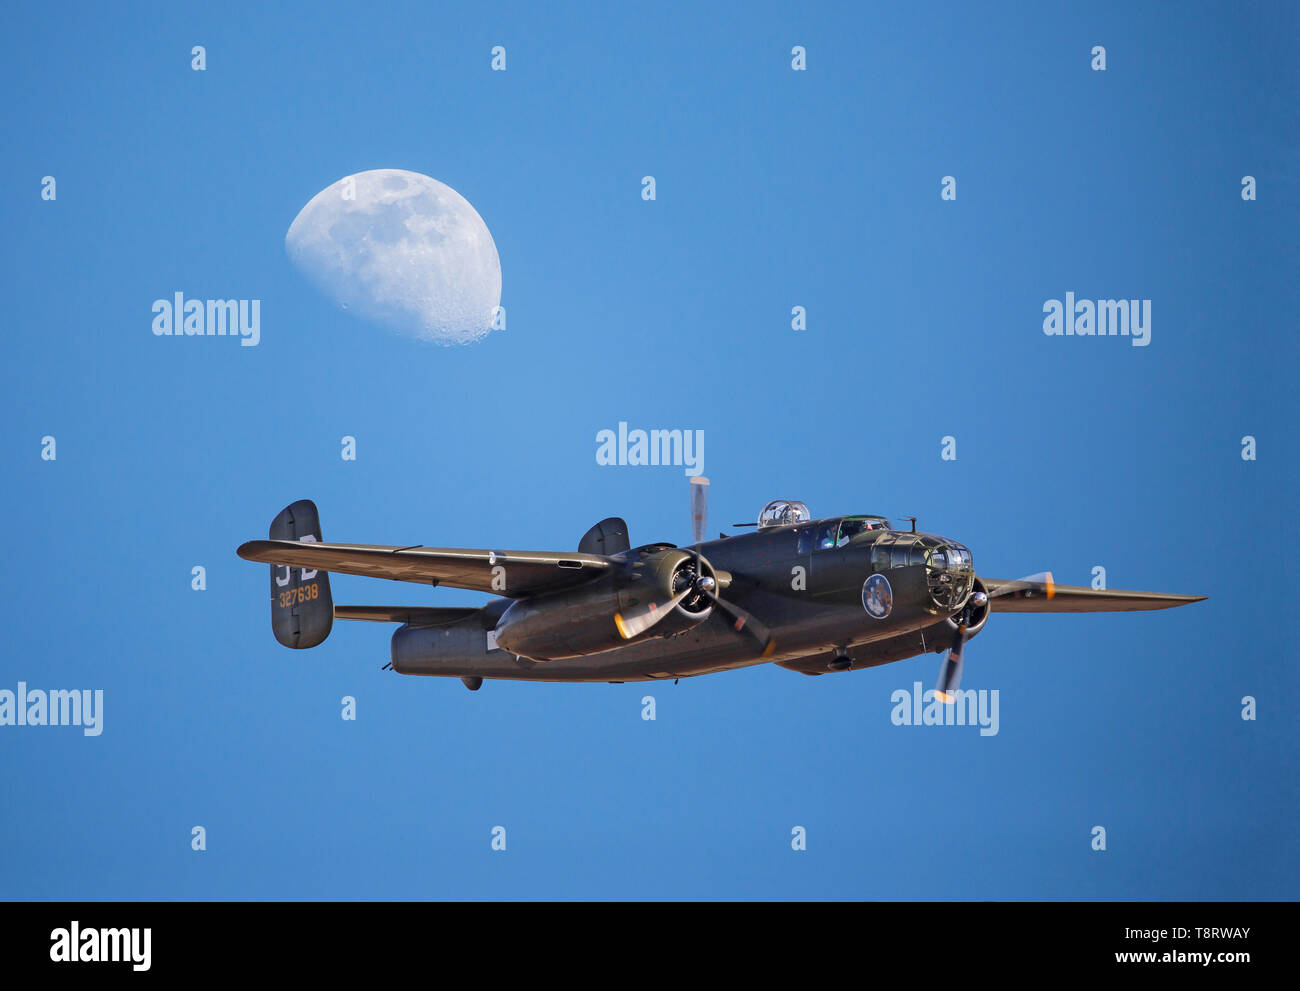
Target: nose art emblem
{"x":877,"y":596}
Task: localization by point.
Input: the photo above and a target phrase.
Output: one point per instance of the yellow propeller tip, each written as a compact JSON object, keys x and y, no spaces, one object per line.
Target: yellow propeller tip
{"x":622,"y":629}
{"x":771,"y":646}
{"x":947,"y":698}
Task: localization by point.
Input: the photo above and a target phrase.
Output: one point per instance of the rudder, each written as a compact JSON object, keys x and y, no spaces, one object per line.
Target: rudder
{"x":302,"y":611}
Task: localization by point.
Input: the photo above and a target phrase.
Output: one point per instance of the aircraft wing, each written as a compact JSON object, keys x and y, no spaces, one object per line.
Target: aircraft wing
{"x":1047,"y":596}
{"x":522,"y":572}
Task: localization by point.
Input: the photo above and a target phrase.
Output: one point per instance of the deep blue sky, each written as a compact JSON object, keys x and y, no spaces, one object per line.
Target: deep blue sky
{"x":775,"y":188}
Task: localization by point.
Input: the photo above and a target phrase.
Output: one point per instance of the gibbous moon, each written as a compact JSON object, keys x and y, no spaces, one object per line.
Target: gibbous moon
{"x":402,"y":250}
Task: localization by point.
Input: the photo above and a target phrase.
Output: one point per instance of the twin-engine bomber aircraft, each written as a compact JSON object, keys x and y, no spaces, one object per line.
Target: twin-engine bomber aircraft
{"x":811,"y":595}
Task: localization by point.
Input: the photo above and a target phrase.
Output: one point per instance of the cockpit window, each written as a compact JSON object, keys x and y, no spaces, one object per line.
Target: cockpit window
{"x":839,"y":532}
{"x":826,"y":535}
{"x":854,"y":525}
{"x":896,"y":550}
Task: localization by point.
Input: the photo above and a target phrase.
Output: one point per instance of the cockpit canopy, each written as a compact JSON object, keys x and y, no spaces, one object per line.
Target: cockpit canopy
{"x":837,"y":532}
{"x":783,"y":512}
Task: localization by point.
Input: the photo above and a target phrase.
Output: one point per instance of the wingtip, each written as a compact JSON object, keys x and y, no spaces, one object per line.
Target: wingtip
{"x":1186,"y":600}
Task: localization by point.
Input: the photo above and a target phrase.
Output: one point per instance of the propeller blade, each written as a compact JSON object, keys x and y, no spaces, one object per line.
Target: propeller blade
{"x":640,"y":619}
{"x":744,"y":622}
{"x":699,"y":507}
{"x":1041,"y":585}
{"x":950,"y":673}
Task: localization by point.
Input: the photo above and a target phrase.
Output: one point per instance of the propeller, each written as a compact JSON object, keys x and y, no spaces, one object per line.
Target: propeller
{"x":950,"y":672}
{"x":742,"y":621}
{"x":699,"y":581}
{"x":636,"y":621}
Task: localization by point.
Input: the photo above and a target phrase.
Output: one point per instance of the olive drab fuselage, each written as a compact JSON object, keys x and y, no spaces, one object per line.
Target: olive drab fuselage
{"x":806,"y":580}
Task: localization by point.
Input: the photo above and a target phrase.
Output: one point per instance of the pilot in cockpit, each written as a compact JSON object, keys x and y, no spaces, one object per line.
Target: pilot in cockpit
{"x":826,"y":536}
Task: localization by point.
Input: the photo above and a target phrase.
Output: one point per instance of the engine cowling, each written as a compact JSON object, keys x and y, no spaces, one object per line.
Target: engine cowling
{"x":581,"y":621}
{"x":979,"y":615}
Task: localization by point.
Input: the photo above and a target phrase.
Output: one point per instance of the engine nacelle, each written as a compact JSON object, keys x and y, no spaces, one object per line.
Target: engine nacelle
{"x":939,"y":637}
{"x":458,"y":649}
{"x":580,"y":621}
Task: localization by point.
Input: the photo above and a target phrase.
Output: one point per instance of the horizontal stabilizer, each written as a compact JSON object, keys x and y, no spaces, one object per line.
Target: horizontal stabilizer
{"x":414,"y":615}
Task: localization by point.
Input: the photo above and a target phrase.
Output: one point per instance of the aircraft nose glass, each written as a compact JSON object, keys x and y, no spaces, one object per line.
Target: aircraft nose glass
{"x":949,"y":575}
